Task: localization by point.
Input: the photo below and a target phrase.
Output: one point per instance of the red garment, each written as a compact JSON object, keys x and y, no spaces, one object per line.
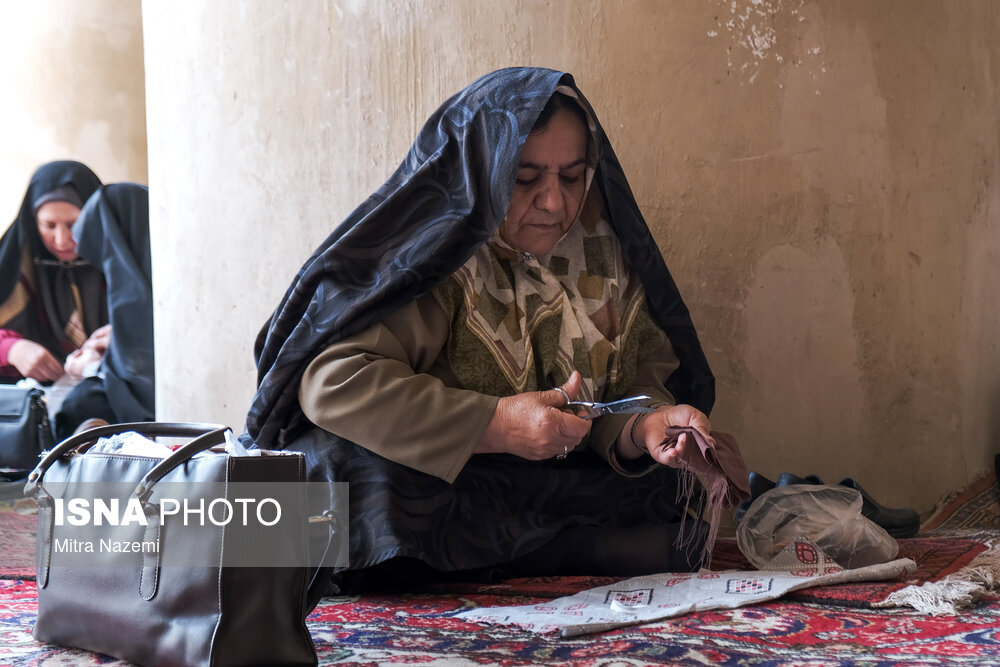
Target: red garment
{"x":7,"y":340}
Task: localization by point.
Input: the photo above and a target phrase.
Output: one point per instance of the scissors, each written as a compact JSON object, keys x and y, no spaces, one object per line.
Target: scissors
{"x":591,"y":410}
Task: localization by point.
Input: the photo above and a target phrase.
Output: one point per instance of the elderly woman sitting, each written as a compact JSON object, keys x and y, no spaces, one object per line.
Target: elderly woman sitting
{"x":425,"y":353}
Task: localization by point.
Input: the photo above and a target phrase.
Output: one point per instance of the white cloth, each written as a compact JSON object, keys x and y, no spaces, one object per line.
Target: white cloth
{"x":651,"y":598}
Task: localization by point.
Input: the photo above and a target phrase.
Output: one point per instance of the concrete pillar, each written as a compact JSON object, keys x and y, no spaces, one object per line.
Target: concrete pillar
{"x":72,"y":86}
{"x":822,"y":178}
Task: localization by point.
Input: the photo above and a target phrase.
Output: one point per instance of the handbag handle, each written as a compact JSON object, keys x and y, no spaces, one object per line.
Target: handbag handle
{"x":206,"y":435}
{"x":181,"y":455}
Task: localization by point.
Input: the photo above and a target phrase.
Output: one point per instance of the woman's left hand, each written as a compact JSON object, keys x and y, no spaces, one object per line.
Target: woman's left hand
{"x":91,"y":353}
{"x":650,"y":434}
{"x":80,"y":361}
{"x":100,"y":340}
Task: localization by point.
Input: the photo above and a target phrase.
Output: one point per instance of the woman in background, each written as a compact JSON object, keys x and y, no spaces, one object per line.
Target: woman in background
{"x":52,"y":302}
{"x":112,"y":233}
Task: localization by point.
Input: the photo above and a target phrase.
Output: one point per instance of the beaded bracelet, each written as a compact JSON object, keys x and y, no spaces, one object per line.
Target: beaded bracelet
{"x":631,"y":433}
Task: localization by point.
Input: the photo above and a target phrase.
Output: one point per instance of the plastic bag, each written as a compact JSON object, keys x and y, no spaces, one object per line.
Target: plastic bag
{"x":828,"y":515}
{"x":130,"y":443}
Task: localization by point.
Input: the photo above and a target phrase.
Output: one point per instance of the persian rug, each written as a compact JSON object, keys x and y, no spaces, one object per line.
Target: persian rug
{"x":935,"y":558}
{"x":423,"y":629}
{"x":17,"y":544}
{"x":973,"y":509}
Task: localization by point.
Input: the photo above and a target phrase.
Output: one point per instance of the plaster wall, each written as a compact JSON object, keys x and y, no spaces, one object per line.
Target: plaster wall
{"x":821,"y":177}
{"x":73,"y":87}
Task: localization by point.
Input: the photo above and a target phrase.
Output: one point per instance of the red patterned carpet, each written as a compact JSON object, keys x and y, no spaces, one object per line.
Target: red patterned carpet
{"x":419,"y":629}
{"x":935,"y":558}
{"x":17,"y":545}
{"x":813,"y":627}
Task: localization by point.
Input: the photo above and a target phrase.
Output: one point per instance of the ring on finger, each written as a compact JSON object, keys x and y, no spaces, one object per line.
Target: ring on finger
{"x":565,"y":452}
{"x":563,"y":393}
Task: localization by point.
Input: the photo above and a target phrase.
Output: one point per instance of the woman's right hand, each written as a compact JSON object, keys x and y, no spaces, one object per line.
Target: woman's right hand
{"x":532,"y":425}
{"x":33,"y":361}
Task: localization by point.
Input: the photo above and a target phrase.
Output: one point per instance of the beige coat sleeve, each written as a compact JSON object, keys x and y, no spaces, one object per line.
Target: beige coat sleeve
{"x":651,"y":373}
{"x":382,"y":389}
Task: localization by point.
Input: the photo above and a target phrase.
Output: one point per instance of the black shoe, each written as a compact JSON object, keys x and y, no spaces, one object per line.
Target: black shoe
{"x":787,"y":479}
{"x":898,"y":522}
{"x":758,"y":485}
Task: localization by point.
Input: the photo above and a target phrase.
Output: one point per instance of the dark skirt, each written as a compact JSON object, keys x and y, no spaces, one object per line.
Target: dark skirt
{"x":86,"y":400}
{"x":500,"y":509}
{"x":95,"y":397}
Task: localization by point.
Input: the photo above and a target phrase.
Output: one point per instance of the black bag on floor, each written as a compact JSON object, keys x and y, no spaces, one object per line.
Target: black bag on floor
{"x":24,"y":427}
{"x":182,"y":603}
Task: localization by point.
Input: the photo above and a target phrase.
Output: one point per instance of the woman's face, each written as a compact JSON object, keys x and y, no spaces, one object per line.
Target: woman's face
{"x":549,"y":186}
{"x":55,"y":226}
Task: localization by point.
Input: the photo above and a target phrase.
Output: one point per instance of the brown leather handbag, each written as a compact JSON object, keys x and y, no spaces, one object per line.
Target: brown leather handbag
{"x":169,"y":590}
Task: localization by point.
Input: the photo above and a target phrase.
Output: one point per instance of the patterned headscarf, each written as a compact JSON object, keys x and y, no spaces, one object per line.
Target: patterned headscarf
{"x":583,"y":283}
{"x":57,"y":304}
{"x":442,"y":204}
